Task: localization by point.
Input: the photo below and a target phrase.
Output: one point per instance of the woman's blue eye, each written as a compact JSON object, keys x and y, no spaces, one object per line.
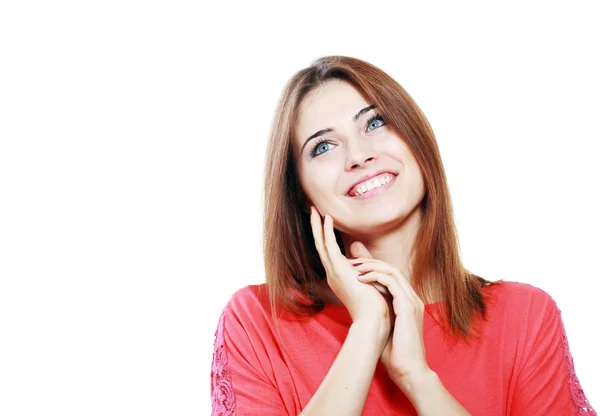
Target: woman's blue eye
{"x":373,"y":120}
{"x":319,"y":145}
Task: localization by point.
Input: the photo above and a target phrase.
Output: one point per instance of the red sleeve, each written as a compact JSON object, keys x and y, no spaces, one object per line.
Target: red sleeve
{"x":546,"y":381}
{"x":239,"y":385}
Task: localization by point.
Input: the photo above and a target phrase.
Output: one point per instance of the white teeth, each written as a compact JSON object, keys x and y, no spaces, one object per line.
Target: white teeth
{"x":373,"y":183}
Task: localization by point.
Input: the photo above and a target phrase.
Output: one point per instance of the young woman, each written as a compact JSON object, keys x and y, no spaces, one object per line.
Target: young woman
{"x":367,"y":309}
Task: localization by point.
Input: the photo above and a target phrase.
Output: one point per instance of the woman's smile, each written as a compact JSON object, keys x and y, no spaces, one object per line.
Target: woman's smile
{"x":373,"y":187}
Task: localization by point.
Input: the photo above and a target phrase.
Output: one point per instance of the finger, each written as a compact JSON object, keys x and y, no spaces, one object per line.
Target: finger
{"x":390,"y":283}
{"x":333,"y":249}
{"x":317,"y":230}
{"x":382,"y":267}
{"x":358,"y":249}
{"x":365,"y":259}
{"x":382,"y":289}
{"x":387,"y":268}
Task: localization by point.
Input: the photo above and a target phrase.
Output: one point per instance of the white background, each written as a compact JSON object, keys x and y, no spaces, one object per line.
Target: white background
{"x":133,"y":139}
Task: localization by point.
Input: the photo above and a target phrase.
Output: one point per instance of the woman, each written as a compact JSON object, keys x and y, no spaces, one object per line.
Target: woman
{"x":367,"y":309}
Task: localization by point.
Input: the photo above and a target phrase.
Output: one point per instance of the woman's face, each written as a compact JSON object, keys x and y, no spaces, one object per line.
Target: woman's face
{"x":331,"y":163}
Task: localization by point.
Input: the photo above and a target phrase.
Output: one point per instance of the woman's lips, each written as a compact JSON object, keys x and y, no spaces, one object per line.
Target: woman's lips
{"x":375,"y":191}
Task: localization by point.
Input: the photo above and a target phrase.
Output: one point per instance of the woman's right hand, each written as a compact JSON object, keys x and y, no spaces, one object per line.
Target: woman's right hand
{"x":364,"y":302}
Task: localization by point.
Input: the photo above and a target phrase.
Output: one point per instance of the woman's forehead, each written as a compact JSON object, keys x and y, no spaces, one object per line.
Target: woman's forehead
{"x":333,"y":104}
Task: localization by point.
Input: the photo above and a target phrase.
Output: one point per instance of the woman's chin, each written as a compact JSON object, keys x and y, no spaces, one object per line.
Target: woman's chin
{"x":368,"y":225}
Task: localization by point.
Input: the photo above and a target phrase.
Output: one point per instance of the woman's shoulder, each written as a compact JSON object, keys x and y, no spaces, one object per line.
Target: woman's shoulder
{"x":249,"y":300}
{"x":519,"y":303}
{"x":512,"y":293}
{"x":245,"y":316}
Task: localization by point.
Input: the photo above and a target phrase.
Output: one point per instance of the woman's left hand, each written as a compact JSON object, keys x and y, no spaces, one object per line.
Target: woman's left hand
{"x":404,"y":353}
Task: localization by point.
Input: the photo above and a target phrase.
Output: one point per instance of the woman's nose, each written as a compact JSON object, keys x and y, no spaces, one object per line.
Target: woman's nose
{"x":358,"y":154}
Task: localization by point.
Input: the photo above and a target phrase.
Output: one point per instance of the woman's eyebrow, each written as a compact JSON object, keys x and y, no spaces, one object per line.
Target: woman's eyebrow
{"x":327,"y":130}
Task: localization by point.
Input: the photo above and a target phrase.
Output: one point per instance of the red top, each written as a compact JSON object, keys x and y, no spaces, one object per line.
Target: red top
{"x":521,"y":366}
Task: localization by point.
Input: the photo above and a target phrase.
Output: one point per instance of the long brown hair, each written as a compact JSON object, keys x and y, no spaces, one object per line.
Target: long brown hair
{"x":292,"y":263}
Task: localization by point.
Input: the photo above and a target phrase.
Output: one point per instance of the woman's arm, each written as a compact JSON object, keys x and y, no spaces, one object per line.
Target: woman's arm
{"x":429,"y":396}
{"x":344,"y":389}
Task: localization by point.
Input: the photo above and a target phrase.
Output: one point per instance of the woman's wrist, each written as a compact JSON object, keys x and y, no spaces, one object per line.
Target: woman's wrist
{"x":376,"y":330}
{"x":416,"y":381}
{"x":429,"y":396}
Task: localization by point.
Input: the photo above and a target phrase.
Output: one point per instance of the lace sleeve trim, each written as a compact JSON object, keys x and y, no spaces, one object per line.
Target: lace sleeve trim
{"x":578,"y":399}
{"x":222,"y":396}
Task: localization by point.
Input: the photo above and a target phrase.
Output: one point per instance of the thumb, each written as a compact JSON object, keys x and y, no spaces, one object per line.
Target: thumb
{"x":358,"y":249}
